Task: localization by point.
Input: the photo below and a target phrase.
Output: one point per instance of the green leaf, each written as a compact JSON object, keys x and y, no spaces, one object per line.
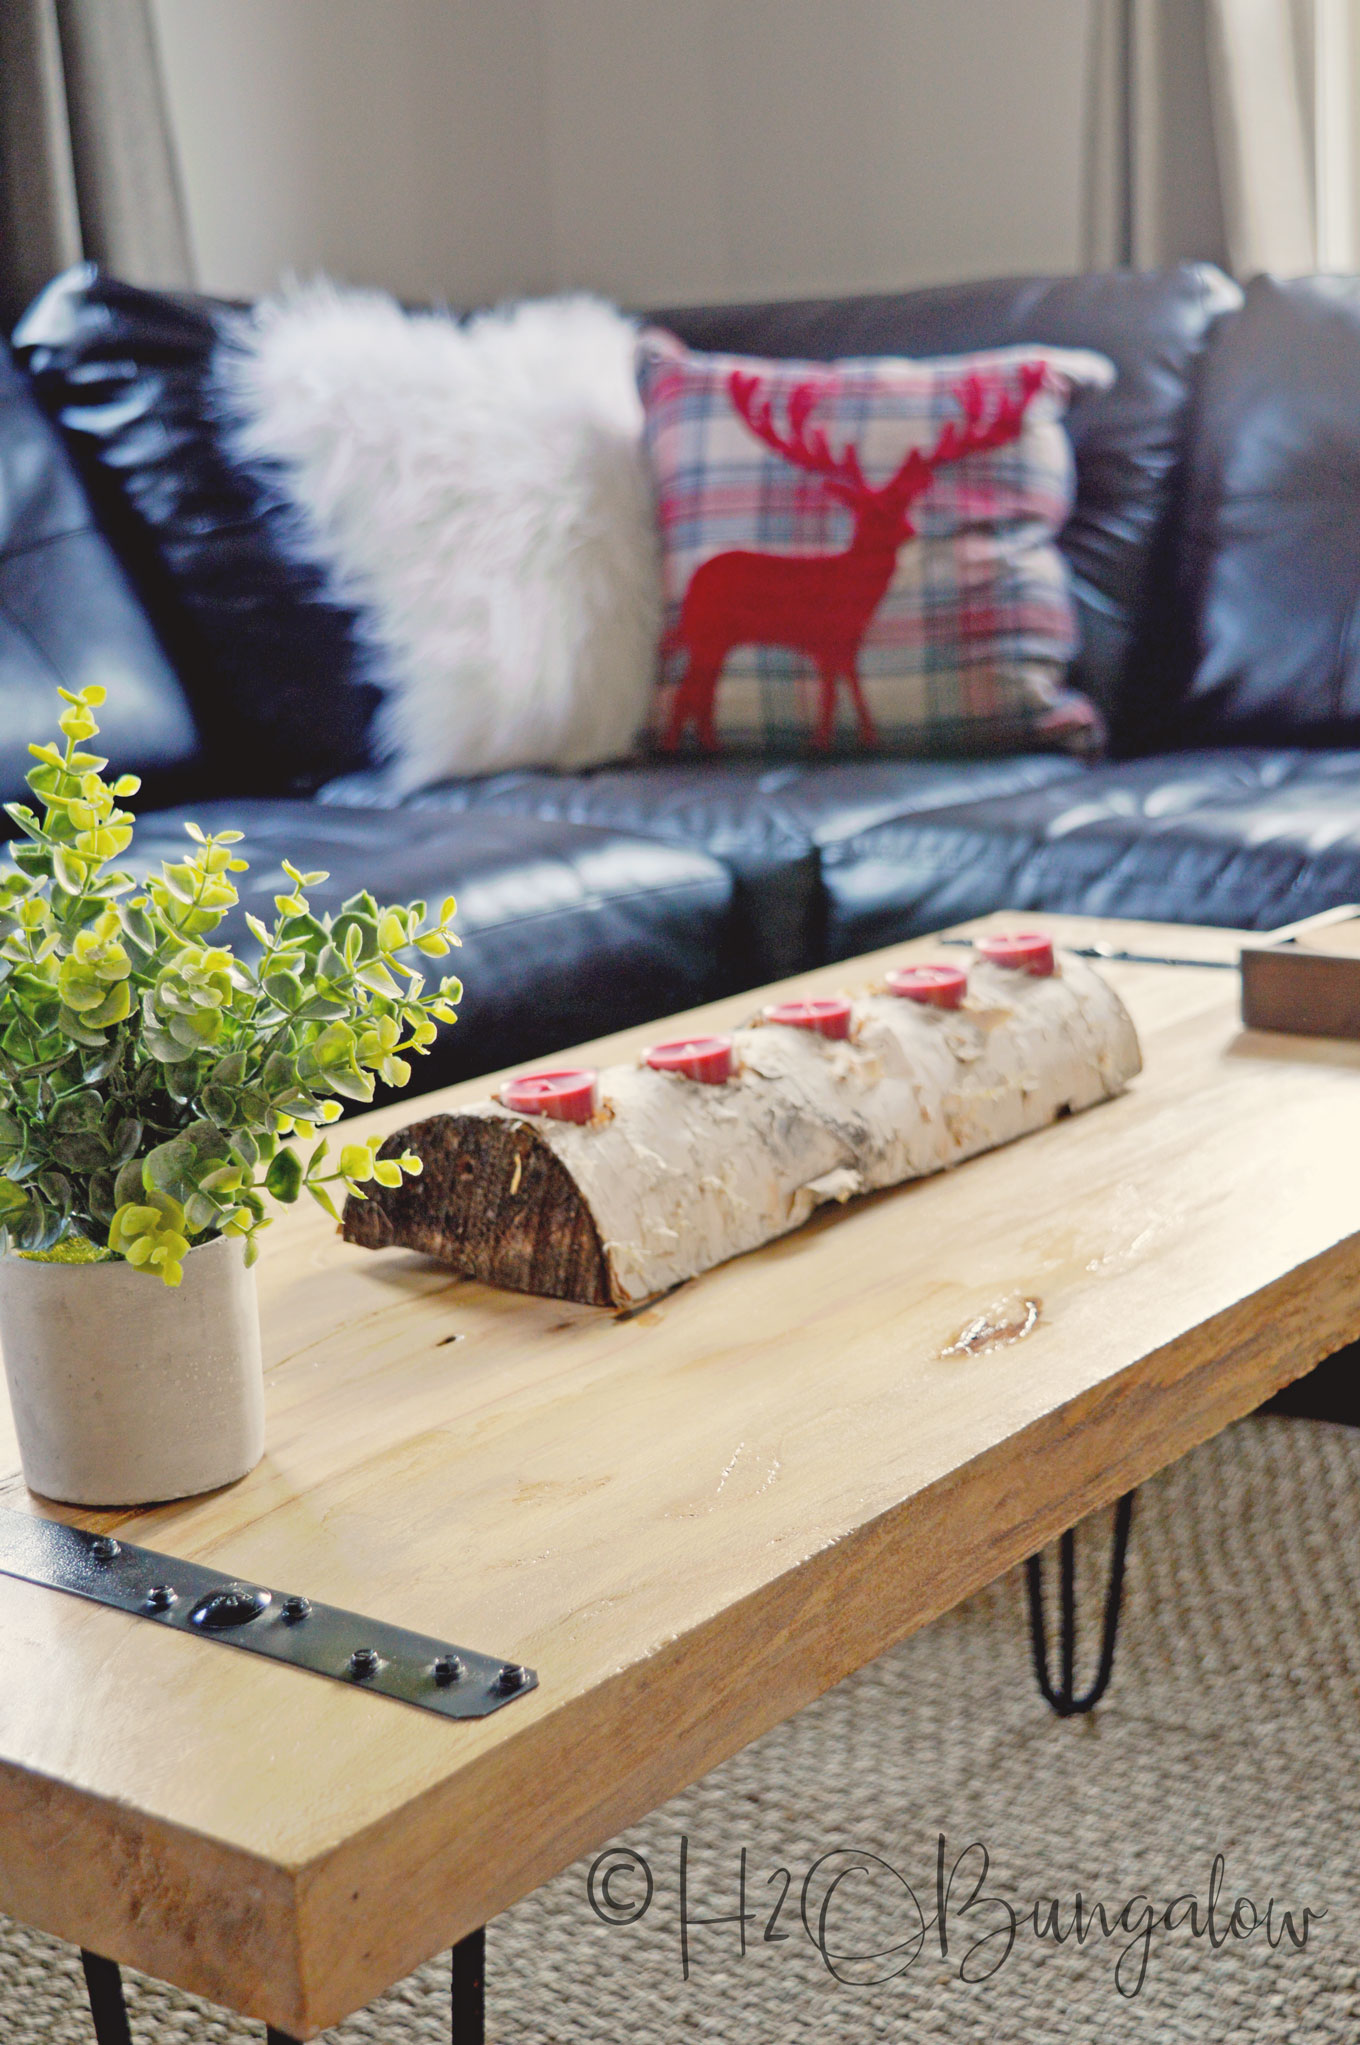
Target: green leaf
{"x":166,"y":1169}
{"x":163,"y":1046}
{"x":284,"y":1177}
{"x":322,"y":1197}
{"x":75,"y":1027}
{"x":181,"y":880}
{"x":127,"y":1138}
{"x":81,"y":1110}
{"x":80,"y":1152}
{"x":137,"y":925}
{"x":218,"y":1103}
{"x":285,"y":990}
{"x":56,"y":1187}
{"x":115,"y":1008}
{"x":354,"y":1086}
{"x":197,"y":1031}
{"x":200,"y":1212}
{"x":376,"y":977}
{"x":69,"y":870}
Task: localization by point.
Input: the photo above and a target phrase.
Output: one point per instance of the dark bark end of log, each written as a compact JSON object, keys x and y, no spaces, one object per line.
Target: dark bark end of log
{"x":493,"y":1203}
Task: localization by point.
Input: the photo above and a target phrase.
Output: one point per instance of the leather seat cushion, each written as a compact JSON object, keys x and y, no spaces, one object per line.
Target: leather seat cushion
{"x":1238,"y":838}
{"x":568,"y":931}
{"x":68,"y":616}
{"x":1128,"y":441}
{"x":768,"y":824}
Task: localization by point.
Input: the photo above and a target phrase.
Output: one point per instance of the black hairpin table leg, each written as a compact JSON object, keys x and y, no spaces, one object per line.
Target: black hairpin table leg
{"x":104,"y":1986}
{"x":1062,"y":1693}
{"x":469,"y":1990}
{"x":104,"y":1983}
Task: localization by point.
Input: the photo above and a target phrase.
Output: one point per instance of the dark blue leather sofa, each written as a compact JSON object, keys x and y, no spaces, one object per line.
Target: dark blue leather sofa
{"x":1215,"y":552}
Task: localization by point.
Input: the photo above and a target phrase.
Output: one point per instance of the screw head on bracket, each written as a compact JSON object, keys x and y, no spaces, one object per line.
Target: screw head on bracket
{"x":104,"y":1548}
{"x":236,"y":1605}
{"x":364,"y":1662}
{"x":448,"y":1668}
{"x":160,"y":1597}
{"x":511,"y":1677}
{"x":294,"y":1609}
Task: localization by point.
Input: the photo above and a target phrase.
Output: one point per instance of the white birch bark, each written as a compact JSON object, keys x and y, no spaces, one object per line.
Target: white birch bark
{"x":679,"y":1176}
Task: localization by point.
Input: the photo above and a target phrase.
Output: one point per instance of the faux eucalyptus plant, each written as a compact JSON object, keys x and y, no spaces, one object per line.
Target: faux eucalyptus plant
{"x":153,"y":1086}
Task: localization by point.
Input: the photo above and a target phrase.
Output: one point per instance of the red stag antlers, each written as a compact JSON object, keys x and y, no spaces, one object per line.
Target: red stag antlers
{"x":821,"y":604}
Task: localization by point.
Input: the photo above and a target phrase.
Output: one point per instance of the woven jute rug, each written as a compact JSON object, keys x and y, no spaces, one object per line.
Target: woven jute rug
{"x":1230,"y":1739}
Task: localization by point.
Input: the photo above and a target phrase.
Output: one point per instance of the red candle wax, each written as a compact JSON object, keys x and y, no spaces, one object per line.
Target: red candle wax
{"x":936,"y":986}
{"x":568,"y":1096}
{"x":1024,"y":951}
{"x":707,"y":1059}
{"x":830,"y":1018}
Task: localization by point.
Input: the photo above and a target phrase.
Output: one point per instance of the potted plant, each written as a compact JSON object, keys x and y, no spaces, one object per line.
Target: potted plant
{"x":154,"y":1089}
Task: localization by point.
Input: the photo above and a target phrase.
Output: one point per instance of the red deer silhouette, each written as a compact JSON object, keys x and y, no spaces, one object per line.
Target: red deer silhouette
{"x":821,"y":604}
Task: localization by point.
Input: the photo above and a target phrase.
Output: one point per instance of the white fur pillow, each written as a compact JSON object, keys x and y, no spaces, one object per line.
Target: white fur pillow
{"x":479,"y":495}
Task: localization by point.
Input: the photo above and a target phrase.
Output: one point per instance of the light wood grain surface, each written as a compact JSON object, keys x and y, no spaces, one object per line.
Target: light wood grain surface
{"x":690,"y":1521}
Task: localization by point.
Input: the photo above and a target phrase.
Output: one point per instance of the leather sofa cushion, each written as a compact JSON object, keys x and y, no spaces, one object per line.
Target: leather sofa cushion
{"x":68,"y":616}
{"x":1128,"y":440}
{"x":768,"y":824}
{"x":1270,"y":553}
{"x":1245,"y":838}
{"x":267,"y":659}
{"x":568,"y":931}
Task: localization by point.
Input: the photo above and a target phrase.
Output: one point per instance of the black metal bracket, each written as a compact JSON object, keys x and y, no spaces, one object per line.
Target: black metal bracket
{"x":325,"y":1640}
{"x":1062,"y":1694}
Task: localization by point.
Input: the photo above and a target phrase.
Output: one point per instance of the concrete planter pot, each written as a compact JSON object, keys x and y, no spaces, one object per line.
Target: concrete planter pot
{"x":125,"y":1390}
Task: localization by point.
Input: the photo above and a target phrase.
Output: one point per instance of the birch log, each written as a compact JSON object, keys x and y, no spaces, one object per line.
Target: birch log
{"x":671,"y":1176}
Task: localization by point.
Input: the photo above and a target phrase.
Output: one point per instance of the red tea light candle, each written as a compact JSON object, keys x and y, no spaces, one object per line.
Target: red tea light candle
{"x":829,"y":1018}
{"x":707,"y":1059}
{"x":935,"y":986}
{"x":1023,"y":951}
{"x":569,"y":1096}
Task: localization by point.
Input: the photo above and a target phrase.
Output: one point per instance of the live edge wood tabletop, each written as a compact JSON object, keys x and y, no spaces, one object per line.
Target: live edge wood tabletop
{"x":690,"y":1520}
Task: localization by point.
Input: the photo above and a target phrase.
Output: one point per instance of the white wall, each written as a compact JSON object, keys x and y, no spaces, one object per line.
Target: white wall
{"x":392,"y":142}
{"x":655,"y":149}
{"x":711,"y":148}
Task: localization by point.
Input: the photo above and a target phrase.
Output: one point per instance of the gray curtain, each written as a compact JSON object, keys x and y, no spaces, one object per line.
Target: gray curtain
{"x":87,"y":160}
{"x":1153,"y":188}
{"x":1263,"y":128}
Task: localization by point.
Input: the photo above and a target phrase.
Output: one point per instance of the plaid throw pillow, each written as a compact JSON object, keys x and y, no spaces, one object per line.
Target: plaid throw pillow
{"x":861,"y":554}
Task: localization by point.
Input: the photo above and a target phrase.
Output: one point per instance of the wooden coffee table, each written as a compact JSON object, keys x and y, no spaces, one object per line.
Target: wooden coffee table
{"x":691,"y":1520}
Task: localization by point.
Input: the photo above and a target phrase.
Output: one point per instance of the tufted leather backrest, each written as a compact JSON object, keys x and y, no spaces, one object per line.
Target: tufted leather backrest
{"x":1268,"y":557}
{"x":68,"y":616}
